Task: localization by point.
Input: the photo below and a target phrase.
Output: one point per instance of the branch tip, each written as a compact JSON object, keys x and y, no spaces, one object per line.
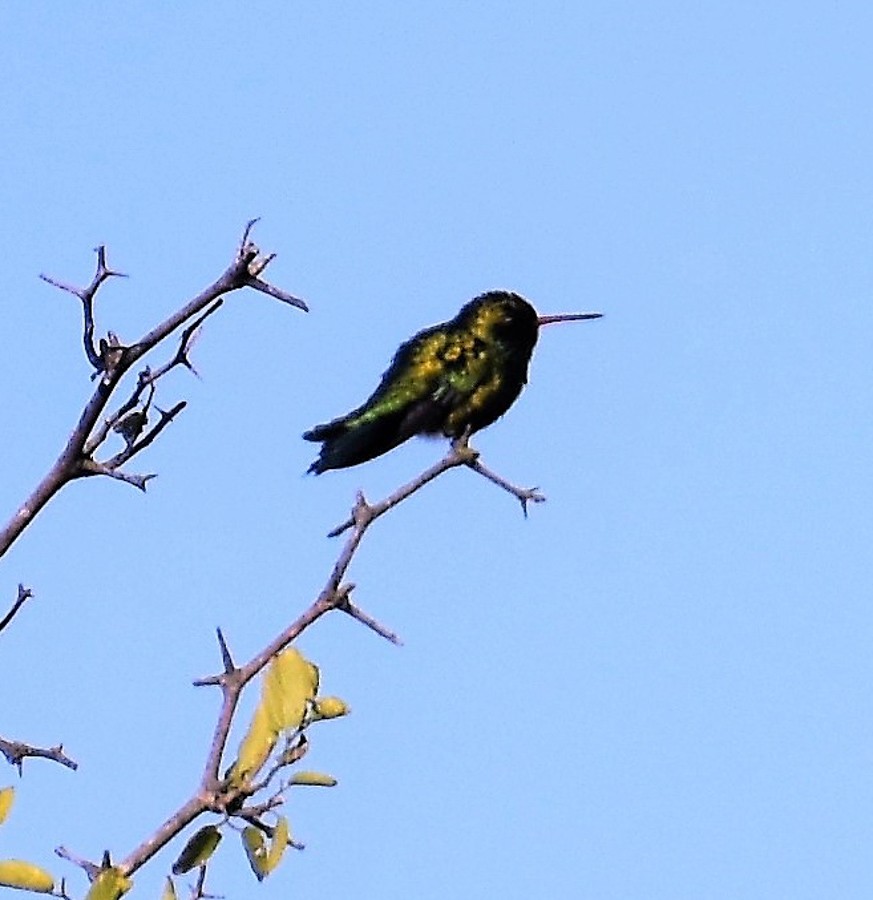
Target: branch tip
{"x":523,"y":495}
{"x":92,"y":870}
{"x":246,"y":232}
{"x":258,"y":284}
{"x":365,"y":618}
{"x":17,"y":751}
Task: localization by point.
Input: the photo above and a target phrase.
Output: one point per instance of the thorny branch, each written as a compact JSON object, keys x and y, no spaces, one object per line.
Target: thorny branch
{"x":17,"y":751}
{"x":113,"y":360}
{"x":460,"y":454}
{"x":219,"y":795}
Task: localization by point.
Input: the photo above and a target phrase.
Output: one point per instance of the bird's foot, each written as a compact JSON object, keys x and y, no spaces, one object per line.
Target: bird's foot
{"x":462,"y":450}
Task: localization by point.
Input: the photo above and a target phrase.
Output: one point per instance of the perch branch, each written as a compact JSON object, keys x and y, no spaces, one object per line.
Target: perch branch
{"x":460,"y":454}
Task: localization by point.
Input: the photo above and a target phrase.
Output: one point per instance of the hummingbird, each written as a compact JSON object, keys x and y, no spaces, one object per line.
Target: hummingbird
{"x":451,"y":379}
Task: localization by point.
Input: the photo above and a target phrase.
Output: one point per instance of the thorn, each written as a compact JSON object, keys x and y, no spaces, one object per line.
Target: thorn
{"x":345,"y":604}
{"x":226,"y":658}
{"x":245,"y":238}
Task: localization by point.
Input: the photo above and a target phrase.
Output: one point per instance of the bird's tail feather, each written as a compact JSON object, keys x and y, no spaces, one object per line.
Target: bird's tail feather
{"x":347,"y":446}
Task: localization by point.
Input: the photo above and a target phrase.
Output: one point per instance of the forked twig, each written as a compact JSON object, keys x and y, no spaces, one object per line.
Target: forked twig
{"x":115,"y":359}
{"x":87,"y":295}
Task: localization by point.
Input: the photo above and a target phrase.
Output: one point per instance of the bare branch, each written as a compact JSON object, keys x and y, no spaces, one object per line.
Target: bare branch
{"x":24,"y":594}
{"x":87,"y":295}
{"x":91,"y":869}
{"x":115,"y":360}
{"x":278,"y":294}
{"x":17,"y":751}
{"x":188,"y":336}
{"x":523,"y":495}
{"x":92,"y":467}
{"x":345,"y":604}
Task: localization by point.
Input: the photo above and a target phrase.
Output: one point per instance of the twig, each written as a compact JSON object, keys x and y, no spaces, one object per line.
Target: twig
{"x":24,"y":594}
{"x":130,"y":451}
{"x":92,"y":467}
{"x":523,"y":495}
{"x":346,"y":605}
{"x":148,"y":378}
{"x":17,"y":751}
{"x":87,"y":295}
{"x":91,"y":869}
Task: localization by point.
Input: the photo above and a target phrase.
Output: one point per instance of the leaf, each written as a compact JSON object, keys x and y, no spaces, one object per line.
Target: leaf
{"x":315,"y":779}
{"x":330,"y":708}
{"x":16,"y":873}
{"x":201,"y":845}
{"x":290,"y":685}
{"x":255,"y":748}
{"x":110,"y":884}
{"x":278,"y":844}
{"x":7,"y":795}
{"x":255,"y":846}
{"x":169,"y":892}
{"x":289,"y":688}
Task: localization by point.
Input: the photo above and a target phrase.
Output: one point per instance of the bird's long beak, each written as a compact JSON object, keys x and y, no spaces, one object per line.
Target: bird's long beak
{"x":567,"y":317}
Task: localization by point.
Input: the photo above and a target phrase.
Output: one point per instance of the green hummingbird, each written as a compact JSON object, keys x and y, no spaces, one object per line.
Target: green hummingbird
{"x":451,"y":379}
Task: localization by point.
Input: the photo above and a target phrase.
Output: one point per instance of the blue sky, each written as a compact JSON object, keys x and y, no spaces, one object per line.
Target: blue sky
{"x":658,"y":685}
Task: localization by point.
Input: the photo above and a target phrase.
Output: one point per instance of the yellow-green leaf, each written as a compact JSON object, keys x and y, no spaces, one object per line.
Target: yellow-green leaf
{"x":316,"y":779}
{"x":330,"y":708}
{"x":255,"y":846}
{"x":256,"y":746}
{"x":7,"y":795}
{"x":201,"y":845}
{"x":15,"y":873}
{"x":169,"y":892}
{"x":289,"y":687}
{"x":278,"y":844}
{"x":110,"y":884}
{"x":290,"y":684}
